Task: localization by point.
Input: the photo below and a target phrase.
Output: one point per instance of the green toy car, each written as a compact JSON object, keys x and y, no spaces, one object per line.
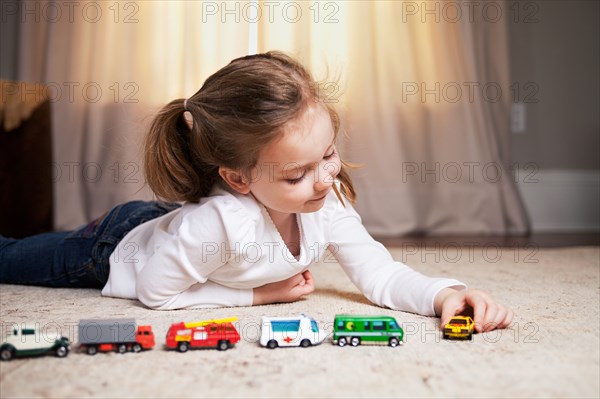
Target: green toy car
{"x":356,"y":330}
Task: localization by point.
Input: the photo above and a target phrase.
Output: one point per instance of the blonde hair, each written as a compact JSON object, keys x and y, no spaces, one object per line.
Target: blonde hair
{"x":238,"y":111}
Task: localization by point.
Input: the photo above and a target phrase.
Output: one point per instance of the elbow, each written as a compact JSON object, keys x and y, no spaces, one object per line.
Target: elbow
{"x":151,"y":298}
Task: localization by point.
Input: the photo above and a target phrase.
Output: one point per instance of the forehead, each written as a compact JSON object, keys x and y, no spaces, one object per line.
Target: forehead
{"x":304,"y":140}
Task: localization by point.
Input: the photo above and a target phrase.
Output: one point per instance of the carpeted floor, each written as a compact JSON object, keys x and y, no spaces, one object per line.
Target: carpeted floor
{"x":552,"y":349}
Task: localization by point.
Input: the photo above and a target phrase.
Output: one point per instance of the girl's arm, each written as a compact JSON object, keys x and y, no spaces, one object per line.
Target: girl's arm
{"x":176,"y":275}
{"x":392,"y":284}
{"x":372,"y":269}
{"x":289,"y":290}
{"x":198,"y":295}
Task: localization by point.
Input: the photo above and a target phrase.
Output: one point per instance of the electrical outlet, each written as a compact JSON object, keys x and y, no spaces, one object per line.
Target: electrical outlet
{"x":517,"y":118}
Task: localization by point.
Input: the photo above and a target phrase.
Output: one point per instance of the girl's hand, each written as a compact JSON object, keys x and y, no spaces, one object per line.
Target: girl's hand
{"x":487,"y":314}
{"x":289,"y":290}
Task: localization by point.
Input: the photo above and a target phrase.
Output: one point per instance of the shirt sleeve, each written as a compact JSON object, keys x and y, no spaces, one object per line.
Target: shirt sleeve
{"x":177,"y":274}
{"x":377,"y":275}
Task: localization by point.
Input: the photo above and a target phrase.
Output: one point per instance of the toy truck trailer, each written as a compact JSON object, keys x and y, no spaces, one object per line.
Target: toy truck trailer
{"x":118,"y":335}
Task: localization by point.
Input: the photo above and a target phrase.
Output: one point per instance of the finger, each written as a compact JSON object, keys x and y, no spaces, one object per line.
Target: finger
{"x":450,"y":309}
{"x":489,"y":320}
{"x":292,"y":282}
{"x":308,"y":277}
{"x":479,"y":305}
{"x":302,"y":289}
{"x":448,"y":312}
{"x":498,"y":319}
{"x":508,"y":318}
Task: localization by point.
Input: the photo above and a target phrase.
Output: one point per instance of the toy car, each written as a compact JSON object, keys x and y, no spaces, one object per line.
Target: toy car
{"x":355,"y":330}
{"x":218,"y":333}
{"x":120,"y":335}
{"x":27,"y":341}
{"x":290,"y":331}
{"x":459,"y":327}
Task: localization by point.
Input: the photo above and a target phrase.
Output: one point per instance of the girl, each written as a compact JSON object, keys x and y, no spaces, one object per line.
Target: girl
{"x":264,"y":195}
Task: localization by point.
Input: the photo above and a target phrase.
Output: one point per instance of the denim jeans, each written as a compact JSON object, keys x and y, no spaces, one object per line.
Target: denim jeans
{"x":78,"y":258}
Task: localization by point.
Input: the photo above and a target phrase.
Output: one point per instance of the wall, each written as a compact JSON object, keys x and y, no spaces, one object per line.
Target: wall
{"x":9,"y":40}
{"x":555,"y":63}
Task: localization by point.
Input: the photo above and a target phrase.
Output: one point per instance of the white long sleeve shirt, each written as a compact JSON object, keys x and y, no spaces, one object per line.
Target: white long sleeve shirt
{"x":213,"y":254}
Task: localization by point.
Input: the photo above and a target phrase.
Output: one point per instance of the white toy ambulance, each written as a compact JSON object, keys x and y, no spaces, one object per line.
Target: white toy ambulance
{"x":290,"y":331}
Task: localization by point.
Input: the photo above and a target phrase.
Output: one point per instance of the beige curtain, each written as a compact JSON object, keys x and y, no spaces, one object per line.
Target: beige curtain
{"x":109,"y":67}
{"x":419,"y":100}
{"x":425,"y":99}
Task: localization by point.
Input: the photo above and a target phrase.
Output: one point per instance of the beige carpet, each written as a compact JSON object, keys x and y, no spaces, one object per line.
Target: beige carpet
{"x":552,"y":350}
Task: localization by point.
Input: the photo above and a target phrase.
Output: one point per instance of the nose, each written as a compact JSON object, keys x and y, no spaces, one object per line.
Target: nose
{"x":326,"y":173}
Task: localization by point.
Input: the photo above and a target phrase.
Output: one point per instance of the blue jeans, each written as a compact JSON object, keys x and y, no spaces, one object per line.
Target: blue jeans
{"x":78,"y":258}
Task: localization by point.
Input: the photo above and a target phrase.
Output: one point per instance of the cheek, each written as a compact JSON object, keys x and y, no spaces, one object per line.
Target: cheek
{"x":331,"y":168}
{"x":296,"y":193}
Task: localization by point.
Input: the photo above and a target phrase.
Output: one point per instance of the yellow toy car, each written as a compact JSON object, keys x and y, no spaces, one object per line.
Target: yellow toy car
{"x":459,"y":327}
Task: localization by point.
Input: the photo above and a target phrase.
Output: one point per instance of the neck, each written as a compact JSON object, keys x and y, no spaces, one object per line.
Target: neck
{"x":287,"y":226}
{"x":283,"y":221}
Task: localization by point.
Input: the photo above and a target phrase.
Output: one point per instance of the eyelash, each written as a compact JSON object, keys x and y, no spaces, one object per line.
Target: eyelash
{"x":299,"y":179}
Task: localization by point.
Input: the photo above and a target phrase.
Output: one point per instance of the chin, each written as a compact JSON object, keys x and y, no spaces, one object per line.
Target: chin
{"x":310,"y":208}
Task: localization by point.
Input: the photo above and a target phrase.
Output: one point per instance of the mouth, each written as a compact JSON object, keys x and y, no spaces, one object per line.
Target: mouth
{"x":321,"y":197}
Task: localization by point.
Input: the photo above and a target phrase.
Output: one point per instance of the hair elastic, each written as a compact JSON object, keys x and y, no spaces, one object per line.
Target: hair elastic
{"x":185,"y":104}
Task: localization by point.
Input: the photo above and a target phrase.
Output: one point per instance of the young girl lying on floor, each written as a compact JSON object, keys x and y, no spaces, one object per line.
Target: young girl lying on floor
{"x":264,"y":195}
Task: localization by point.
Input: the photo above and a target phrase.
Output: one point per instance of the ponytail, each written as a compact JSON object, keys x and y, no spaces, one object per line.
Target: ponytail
{"x":171,"y":166}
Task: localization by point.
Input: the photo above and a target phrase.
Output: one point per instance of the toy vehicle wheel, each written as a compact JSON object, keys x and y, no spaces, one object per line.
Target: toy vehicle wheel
{"x":61,"y":351}
{"x":92,"y":350}
{"x":394,"y":342}
{"x":342,"y":341}
{"x":136,"y":348}
{"x":355,"y":341}
{"x":223,"y":345}
{"x":6,"y":354}
{"x":272,"y":344}
{"x":305,"y":343}
{"x":470,"y":337}
{"x":122,"y":348}
{"x":183,"y":347}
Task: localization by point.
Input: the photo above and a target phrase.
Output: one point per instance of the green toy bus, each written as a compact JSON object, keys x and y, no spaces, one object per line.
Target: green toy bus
{"x":355,"y":330}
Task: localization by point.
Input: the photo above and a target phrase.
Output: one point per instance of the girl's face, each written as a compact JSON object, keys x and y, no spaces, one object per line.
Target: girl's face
{"x":296,"y":172}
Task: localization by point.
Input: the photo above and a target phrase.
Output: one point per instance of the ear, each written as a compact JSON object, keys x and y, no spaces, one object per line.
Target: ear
{"x":235,"y":179}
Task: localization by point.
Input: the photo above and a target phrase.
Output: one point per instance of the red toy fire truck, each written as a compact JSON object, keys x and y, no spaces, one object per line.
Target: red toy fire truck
{"x":217,"y":333}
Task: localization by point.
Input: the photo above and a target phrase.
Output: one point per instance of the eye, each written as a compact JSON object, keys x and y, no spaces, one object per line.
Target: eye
{"x":331,"y":154}
{"x":297,"y":180}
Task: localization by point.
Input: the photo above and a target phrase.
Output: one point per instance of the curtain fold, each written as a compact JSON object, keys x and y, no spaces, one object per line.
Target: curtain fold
{"x":425,"y":102}
{"x":109,"y":70}
{"x":418,"y":100}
